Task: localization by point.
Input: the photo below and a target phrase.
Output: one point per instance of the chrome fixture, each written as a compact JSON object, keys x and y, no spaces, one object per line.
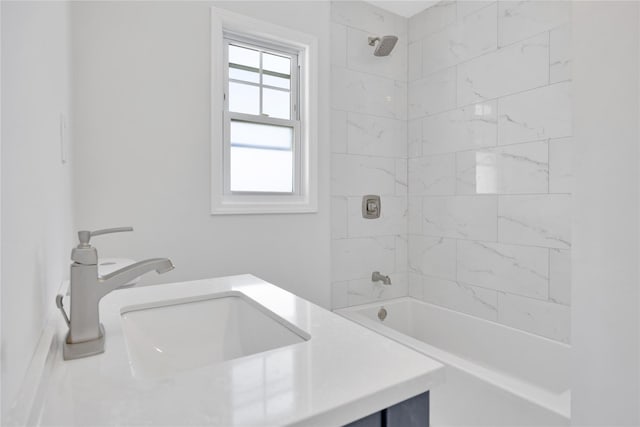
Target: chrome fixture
{"x":371,"y":206}
{"x":86,"y":333}
{"x":385,"y":44}
{"x":377,"y":277}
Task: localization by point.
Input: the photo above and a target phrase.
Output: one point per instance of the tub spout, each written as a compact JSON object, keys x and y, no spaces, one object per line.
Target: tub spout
{"x":377,"y":277}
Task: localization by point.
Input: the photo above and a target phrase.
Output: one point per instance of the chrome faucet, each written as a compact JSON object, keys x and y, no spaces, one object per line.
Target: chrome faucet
{"x":377,"y":277}
{"x":86,"y":333}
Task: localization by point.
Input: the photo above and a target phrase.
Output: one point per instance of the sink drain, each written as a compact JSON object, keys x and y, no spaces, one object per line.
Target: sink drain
{"x":382,"y":313}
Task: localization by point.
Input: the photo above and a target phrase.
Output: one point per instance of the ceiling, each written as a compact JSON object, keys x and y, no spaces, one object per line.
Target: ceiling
{"x":403,"y":7}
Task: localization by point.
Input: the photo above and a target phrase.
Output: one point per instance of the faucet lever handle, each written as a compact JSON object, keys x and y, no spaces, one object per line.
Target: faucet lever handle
{"x":84,"y":236}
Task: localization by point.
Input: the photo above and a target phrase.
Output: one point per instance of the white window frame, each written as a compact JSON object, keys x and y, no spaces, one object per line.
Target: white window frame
{"x":293,"y":122}
{"x":304,"y":197}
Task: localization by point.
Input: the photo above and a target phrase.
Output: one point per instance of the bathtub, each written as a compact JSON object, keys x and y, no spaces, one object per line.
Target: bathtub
{"x":496,"y":375}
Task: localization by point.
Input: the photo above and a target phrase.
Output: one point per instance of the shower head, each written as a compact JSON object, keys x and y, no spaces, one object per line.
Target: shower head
{"x":385,"y":44}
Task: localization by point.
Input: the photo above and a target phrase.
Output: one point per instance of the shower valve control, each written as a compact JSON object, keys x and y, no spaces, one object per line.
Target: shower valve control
{"x":371,"y":206}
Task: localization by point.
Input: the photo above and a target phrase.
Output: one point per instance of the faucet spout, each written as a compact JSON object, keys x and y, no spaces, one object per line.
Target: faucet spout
{"x":86,"y":288}
{"x":377,"y":277}
{"x":119,"y":278}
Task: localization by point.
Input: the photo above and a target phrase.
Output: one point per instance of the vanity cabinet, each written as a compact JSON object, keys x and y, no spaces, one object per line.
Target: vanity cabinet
{"x":412,"y":412}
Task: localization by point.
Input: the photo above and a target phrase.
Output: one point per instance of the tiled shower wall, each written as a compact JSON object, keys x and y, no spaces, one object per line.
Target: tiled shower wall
{"x":489,"y":147}
{"x":477,"y":97}
{"x":369,"y":154}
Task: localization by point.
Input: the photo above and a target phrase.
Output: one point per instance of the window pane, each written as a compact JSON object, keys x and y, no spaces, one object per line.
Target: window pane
{"x":279,"y":64}
{"x":242,"y":74}
{"x":276,"y":103}
{"x":276,"y":81}
{"x":243,"y":56}
{"x":261,"y":136}
{"x":244,"y":98}
{"x":260,"y":170}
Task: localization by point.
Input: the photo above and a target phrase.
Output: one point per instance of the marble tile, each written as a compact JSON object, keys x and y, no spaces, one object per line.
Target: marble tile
{"x":414,"y":138}
{"x":476,"y":172}
{"x":471,"y":36}
{"x":522,"y":66}
{"x":461,"y":297}
{"x":518,"y":20}
{"x":414,"y":209}
{"x":539,"y":317}
{"x":402,"y":177}
{"x":432,"y":175}
{"x":338,"y":45}
{"x":339,"y":295}
{"x":465,"y":7}
{"x":338,"y":131}
{"x":353,"y":175}
{"x":433,"y":256}
{"x":414,"y":58}
{"x":432,"y":20}
{"x":368,"y":94}
{"x":415,"y":285}
{"x":339,"y":215}
{"x":560,"y":54}
{"x":560,"y":276}
{"x":358,"y":258}
{"x":392,"y":221}
{"x":537,"y":114}
{"x":360,"y":56}
{"x":376,"y":136}
{"x":518,"y":270}
{"x":402,"y":253}
{"x":513,"y":169}
{"x":367,"y":17}
{"x":364,"y":291}
{"x":537,"y":220}
{"x":466,"y":217}
{"x":474,"y":126}
{"x":432,"y":94}
{"x":561,"y":165}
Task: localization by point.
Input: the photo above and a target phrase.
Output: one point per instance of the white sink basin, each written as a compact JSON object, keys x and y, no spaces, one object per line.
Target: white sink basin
{"x":171,"y":336}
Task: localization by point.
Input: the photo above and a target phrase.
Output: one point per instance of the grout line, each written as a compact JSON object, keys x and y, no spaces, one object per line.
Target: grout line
{"x":497,"y":219}
{"x":520,"y":245}
{"x":549,"y":166}
{"x":487,"y":100}
{"x":379,"y":116}
{"x":549,"y":57}
{"x":455,"y":273}
{"x":378,"y":76}
{"x":549,"y":275}
{"x":498,"y":25}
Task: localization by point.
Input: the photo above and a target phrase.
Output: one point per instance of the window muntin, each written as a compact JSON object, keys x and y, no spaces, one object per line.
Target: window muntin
{"x":262,"y":126}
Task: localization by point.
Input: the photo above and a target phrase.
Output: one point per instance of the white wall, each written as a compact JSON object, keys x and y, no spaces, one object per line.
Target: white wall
{"x":605,"y":319}
{"x":142,"y":101}
{"x":36,"y":186}
{"x":1,"y":351}
{"x":369,"y":154}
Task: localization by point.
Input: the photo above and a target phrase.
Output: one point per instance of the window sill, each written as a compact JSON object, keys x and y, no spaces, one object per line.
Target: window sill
{"x":252,"y":208}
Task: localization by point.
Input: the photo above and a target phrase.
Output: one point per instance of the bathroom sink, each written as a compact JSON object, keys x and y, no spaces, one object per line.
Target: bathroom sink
{"x":168,"y":337}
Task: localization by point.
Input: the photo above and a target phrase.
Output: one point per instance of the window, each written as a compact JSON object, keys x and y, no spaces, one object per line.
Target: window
{"x":263,"y":127}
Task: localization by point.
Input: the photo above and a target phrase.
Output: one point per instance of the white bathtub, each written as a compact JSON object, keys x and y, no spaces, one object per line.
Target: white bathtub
{"x":496,"y":375}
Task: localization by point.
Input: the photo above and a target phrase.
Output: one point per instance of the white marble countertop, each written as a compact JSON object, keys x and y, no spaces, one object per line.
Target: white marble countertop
{"x":344,"y":372}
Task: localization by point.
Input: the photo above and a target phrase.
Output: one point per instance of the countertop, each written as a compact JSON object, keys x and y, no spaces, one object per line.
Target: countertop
{"x":344,"y":372}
